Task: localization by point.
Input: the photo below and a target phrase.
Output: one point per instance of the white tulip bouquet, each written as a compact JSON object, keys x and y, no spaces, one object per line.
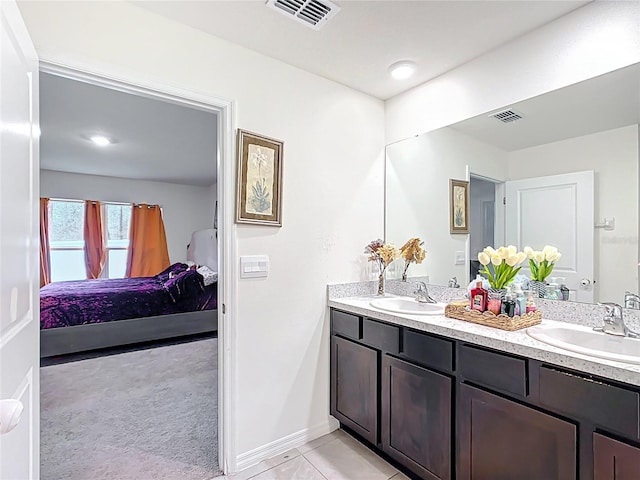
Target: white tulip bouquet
{"x":541,"y":263}
{"x":501,"y":265}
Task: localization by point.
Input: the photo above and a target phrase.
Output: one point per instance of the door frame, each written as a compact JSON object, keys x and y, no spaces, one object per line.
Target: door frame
{"x":227,"y":242}
{"x":499,"y":225}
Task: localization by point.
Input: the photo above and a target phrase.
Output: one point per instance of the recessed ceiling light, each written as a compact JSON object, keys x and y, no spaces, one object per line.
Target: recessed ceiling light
{"x":403,"y":69}
{"x":100,"y":140}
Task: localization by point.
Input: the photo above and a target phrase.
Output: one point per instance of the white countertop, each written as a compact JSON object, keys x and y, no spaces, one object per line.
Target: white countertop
{"x":518,"y":342}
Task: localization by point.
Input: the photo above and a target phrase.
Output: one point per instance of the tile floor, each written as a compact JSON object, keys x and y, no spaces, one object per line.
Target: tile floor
{"x":336,"y":456}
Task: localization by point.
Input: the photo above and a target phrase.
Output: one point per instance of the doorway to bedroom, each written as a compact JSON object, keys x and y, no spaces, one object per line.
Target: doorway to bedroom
{"x":129,"y":277}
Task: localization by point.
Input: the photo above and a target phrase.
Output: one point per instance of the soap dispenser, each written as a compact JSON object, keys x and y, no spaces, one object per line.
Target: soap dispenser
{"x":508,"y":305}
{"x":531,"y":306}
{"x":521,"y":301}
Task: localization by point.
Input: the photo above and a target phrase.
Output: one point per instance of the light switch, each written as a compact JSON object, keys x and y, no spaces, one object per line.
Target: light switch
{"x":459,"y":258}
{"x":254,"y":266}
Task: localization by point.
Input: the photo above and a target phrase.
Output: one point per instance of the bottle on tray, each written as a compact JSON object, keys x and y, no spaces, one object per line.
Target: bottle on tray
{"x":479,"y":296}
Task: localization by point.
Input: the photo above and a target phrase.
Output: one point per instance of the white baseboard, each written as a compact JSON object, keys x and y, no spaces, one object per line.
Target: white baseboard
{"x":277,"y":447}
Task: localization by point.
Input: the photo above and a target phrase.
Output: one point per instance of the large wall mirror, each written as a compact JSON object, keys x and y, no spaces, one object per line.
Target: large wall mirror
{"x":559,"y":169}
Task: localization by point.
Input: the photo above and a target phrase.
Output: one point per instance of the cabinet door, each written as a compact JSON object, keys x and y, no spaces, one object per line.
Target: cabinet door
{"x":416,"y":418}
{"x":354,"y":387}
{"x":502,"y":440}
{"x":613,"y":460}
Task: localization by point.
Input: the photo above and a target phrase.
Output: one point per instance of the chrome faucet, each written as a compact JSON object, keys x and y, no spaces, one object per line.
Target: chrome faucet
{"x":422,"y":293}
{"x":453,"y":283}
{"x":614,"y":323}
{"x":631,"y":300}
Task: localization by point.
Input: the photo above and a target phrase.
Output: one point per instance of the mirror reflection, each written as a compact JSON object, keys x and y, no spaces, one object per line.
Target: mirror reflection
{"x":559,"y":169}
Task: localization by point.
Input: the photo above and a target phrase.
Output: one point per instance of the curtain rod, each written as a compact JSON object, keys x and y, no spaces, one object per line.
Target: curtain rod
{"x":57,"y":199}
{"x":139,"y":205}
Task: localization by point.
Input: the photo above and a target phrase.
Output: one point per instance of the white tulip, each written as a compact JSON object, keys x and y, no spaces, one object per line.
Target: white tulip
{"x":528,"y":251}
{"x":512,"y":261}
{"x":548,"y":250}
{"x":512,"y":250}
{"x":522,"y":256}
{"x":489,"y":251}
{"x":484,"y":259}
{"x":496,"y":260}
{"x":538,"y":256}
{"x":503,"y":252}
{"x":553,"y":257}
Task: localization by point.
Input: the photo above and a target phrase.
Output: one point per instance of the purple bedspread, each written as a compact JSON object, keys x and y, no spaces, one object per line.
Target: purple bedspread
{"x":80,"y":302}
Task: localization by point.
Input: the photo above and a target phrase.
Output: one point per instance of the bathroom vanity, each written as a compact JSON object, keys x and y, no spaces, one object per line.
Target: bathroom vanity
{"x":448,"y":399}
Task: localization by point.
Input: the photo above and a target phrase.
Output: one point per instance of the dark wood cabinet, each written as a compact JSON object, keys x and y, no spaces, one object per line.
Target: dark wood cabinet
{"x":416,"y":418}
{"x":614,"y":460}
{"x":501,"y":439}
{"x":447,"y":409}
{"x":354,"y":387}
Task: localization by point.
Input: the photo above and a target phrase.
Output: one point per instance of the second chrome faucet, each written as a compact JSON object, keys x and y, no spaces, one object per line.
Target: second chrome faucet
{"x":422,"y":293}
{"x":614,"y":323}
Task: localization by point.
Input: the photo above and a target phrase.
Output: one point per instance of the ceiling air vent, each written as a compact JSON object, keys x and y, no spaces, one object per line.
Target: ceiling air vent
{"x":507,"y":116}
{"x":312,"y":13}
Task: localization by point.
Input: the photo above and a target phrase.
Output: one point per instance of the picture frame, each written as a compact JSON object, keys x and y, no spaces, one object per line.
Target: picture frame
{"x":259,"y":182}
{"x":458,"y":206}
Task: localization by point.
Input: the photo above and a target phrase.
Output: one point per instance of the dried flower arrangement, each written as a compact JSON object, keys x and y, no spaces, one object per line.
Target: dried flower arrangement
{"x":412,"y":252}
{"x":383,"y":254}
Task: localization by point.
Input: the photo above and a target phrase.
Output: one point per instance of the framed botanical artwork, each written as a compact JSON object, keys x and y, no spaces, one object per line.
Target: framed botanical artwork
{"x":259,"y":189}
{"x":459,"y":206}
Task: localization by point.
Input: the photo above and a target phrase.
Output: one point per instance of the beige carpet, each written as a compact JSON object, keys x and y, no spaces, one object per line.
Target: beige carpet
{"x":146,"y":414}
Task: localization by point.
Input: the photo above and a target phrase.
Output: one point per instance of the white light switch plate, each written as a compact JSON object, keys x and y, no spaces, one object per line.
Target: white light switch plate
{"x":459,"y":258}
{"x":254,"y":266}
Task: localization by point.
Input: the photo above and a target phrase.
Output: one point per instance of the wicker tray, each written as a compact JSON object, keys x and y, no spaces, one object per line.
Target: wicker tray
{"x":489,"y":319}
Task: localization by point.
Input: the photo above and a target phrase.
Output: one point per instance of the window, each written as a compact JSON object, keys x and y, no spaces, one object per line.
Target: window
{"x":66,"y":240}
{"x":117,"y":218}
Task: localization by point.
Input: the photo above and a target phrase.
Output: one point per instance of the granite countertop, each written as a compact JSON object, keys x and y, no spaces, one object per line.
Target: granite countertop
{"x":518,"y":342}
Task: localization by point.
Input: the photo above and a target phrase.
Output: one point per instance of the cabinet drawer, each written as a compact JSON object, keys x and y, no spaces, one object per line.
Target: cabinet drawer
{"x":380,"y":335}
{"x":346,"y":324}
{"x":611,"y":407}
{"x":427,"y":350}
{"x":495,"y":370}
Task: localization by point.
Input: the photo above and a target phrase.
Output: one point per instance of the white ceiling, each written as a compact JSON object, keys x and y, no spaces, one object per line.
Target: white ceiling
{"x":165,"y":142}
{"x":357,"y":46}
{"x":598,"y":104}
{"x":155,"y":140}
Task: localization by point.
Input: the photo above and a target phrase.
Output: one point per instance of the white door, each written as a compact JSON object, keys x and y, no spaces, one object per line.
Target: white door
{"x":19,"y":237}
{"x":556,"y":210}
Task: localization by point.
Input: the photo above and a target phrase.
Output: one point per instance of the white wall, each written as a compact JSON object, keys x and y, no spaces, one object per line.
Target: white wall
{"x":417,"y":196}
{"x":595,"y":39}
{"x":332,"y":192}
{"x":613,"y":156}
{"x":185,"y":208}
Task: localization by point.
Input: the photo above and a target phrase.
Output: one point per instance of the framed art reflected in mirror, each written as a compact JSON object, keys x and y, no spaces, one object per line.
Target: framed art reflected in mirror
{"x":459,"y":206}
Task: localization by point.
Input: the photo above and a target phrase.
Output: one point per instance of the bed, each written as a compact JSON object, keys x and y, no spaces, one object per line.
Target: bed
{"x":89,"y":314}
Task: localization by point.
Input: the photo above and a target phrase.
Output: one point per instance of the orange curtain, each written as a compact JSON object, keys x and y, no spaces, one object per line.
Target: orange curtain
{"x":148,"y":254}
{"x":45,"y":255}
{"x":94,"y":249}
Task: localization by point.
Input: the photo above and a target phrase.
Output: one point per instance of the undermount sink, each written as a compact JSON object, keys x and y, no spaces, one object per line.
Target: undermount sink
{"x":408,"y":306}
{"x":584,"y":340}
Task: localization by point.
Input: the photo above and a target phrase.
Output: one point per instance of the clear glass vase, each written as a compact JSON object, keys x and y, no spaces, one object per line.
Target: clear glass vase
{"x":381,"y":284}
